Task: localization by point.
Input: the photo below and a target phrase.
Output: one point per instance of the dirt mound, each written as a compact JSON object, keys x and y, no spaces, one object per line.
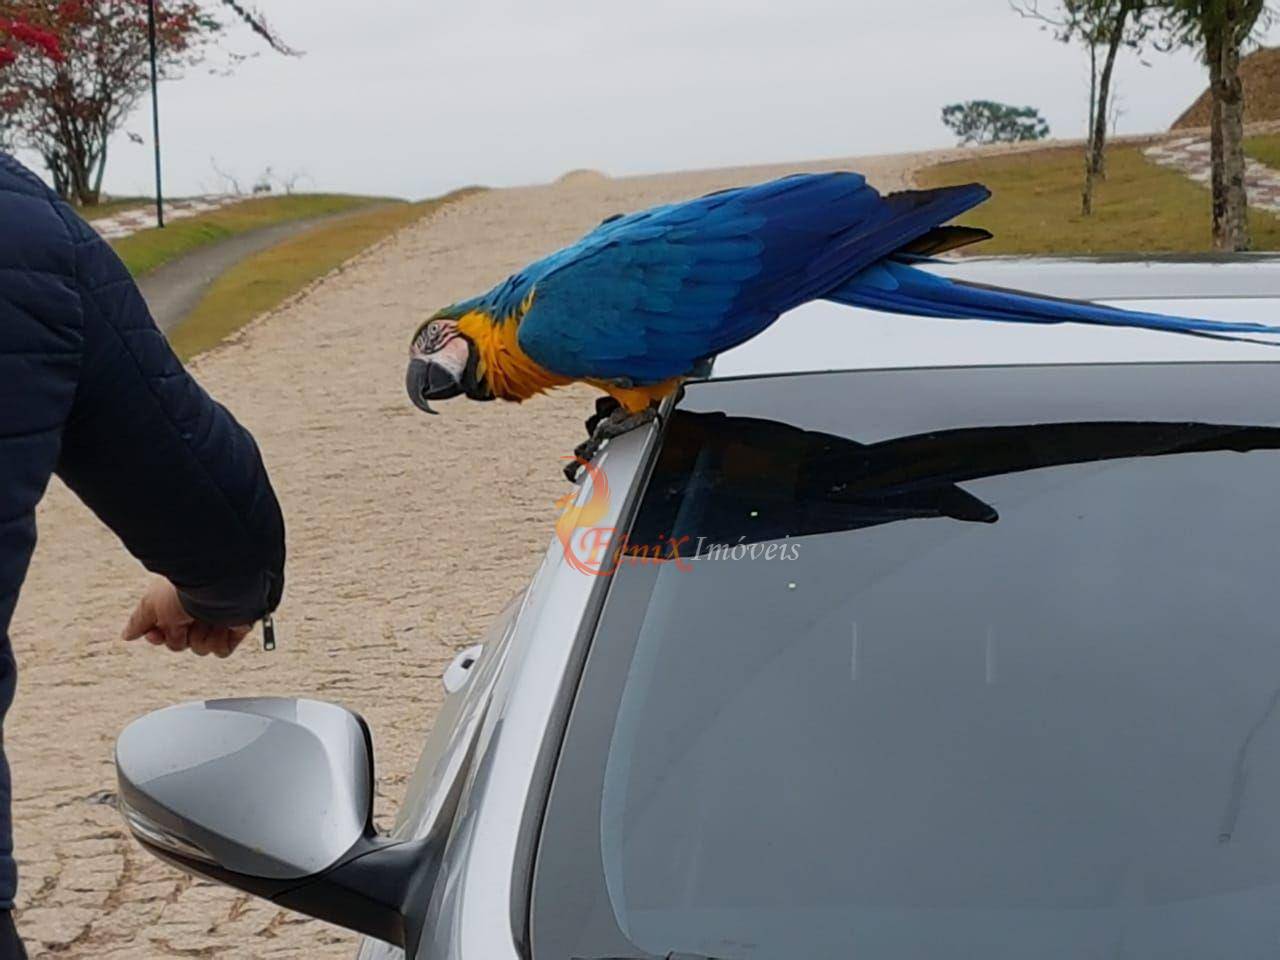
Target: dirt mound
{"x":583,"y":176}
{"x":1260,"y":73}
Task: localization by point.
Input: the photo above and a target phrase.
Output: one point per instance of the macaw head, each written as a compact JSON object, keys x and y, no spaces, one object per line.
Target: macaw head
{"x":443,"y":361}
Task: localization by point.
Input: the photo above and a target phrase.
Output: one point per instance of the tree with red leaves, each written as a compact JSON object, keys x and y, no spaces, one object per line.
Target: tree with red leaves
{"x":71,"y":71}
{"x":24,"y":32}
{"x":18,"y":36}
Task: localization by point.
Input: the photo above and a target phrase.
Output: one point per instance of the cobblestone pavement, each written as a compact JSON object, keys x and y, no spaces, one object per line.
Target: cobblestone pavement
{"x":1190,"y":155}
{"x":142,"y":218}
{"x":406,"y":534}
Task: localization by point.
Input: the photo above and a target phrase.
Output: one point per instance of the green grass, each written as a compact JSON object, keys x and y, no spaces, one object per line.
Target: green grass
{"x":1264,"y":149}
{"x":1140,"y":208}
{"x":264,"y":281}
{"x":144,"y":251}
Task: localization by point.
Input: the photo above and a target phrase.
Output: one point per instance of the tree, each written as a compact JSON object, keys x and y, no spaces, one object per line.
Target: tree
{"x":23,"y":33}
{"x":67,"y":107}
{"x":985,"y":121}
{"x":256,"y":22}
{"x":1104,"y":27}
{"x":1219,"y":29}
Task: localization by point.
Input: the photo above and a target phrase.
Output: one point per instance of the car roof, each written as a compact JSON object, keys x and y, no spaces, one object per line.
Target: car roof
{"x":827,"y":336}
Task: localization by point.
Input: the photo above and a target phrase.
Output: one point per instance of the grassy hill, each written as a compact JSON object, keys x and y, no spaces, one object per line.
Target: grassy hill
{"x":1139,"y":208}
{"x":264,"y":281}
{"x":148,"y":249}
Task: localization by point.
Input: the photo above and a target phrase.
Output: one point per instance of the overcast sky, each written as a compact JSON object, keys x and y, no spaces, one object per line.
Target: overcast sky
{"x":413,"y":97}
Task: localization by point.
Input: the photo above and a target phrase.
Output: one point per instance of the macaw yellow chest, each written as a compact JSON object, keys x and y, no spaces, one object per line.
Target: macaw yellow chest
{"x":513,"y":375}
{"x":510,"y":372}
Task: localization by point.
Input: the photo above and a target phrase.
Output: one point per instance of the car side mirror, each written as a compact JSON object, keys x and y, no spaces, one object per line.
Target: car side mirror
{"x":274,"y":796}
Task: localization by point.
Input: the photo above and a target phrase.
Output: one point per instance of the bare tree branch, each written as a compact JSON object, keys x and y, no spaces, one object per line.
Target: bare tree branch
{"x":1030,"y":10}
{"x":229,"y":182}
{"x":258,"y":24}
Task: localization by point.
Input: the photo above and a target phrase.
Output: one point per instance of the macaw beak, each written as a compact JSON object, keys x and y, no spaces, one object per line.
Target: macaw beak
{"x":427,"y":380}
{"x":438,"y":375}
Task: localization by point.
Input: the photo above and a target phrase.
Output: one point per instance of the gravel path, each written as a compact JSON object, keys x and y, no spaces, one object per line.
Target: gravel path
{"x":1190,"y":156}
{"x":406,"y":534}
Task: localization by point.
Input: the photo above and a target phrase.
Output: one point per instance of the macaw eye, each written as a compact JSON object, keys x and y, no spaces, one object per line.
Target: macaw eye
{"x":426,"y":337}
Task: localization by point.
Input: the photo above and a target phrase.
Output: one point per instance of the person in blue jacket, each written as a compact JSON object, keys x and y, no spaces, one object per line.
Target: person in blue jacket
{"x":90,"y":390}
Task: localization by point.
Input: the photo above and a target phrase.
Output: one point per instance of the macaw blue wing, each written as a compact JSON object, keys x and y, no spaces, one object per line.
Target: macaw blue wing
{"x":897,"y":287}
{"x":645,"y":297}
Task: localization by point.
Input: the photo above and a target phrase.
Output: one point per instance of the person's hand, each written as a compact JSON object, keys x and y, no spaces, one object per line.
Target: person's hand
{"x":160,"y":617}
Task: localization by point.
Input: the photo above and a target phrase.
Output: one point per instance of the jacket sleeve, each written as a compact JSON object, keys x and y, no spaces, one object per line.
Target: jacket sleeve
{"x":159,"y":461}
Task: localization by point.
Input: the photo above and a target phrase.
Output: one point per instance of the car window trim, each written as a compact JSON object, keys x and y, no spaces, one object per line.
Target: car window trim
{"x":539,"y":794}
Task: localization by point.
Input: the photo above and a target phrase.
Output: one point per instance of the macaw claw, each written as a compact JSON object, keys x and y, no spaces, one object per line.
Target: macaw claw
{"x":605,"y":407}
{"x":610,"y":420}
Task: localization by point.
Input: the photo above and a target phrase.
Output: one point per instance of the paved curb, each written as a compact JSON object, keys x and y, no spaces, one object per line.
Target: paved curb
{"x":1190,"y":156}
{"x":144,"y":218}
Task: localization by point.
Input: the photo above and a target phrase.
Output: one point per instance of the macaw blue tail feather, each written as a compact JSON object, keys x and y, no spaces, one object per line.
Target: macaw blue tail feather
{"x":896,"y":287}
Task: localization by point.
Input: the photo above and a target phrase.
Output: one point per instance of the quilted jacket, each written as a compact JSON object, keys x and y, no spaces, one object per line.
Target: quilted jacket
{"x":90,"y":390}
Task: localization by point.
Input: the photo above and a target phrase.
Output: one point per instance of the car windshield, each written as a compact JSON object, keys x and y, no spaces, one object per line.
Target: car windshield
{"x":951,"y":663}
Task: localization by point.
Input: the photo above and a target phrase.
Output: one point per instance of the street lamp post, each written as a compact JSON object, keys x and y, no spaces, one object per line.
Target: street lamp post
{"x":155,"y":108}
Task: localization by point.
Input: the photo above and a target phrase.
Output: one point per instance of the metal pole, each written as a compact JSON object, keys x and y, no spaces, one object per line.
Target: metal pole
{"x":155,"y":108}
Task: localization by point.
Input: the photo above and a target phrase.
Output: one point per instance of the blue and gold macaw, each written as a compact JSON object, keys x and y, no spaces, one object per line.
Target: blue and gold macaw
{"x":636,"y":305}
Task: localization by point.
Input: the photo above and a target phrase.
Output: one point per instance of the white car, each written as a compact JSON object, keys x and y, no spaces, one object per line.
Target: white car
{"x":927,"y":639}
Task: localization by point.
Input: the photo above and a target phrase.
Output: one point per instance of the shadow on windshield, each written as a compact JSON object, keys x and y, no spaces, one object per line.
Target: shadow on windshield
{"x":743,"y":479}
